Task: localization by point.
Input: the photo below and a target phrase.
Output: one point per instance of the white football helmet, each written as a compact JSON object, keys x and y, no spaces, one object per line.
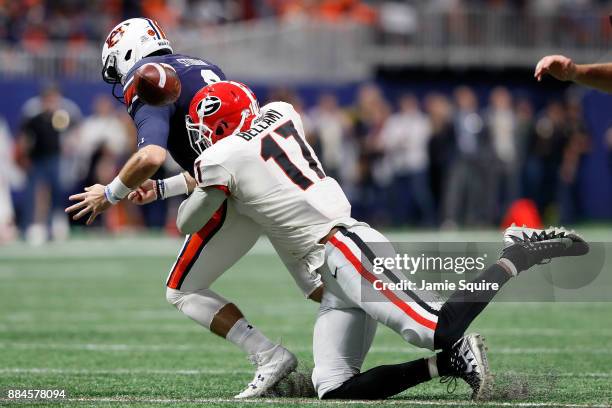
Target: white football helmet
{"x":129,"y":42}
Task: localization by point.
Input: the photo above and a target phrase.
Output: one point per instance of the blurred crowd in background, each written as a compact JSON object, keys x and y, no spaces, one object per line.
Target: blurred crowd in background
{"x":34,"y":23}
{"x":440,"y":160}
{"x":448,"y":160}
{"x":444,"y":160}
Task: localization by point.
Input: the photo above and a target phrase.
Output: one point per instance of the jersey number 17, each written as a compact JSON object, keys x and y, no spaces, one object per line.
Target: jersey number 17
{"x":270,"y":149}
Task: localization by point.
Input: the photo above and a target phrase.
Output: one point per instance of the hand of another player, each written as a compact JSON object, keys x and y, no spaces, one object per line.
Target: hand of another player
{"x":91,"y":201}
{"x":144,"y":194}
{"x":558,"y":66}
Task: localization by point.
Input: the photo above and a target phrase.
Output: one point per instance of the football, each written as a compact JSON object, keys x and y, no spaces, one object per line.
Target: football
{"x":157,"y":84}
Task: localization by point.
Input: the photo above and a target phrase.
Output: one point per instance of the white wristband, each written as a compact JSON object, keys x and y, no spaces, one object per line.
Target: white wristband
{"x":172,"y":186}
{"x":116,"y":191}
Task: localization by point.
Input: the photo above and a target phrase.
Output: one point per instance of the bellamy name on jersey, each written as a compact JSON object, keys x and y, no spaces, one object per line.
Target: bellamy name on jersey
{"x":164,"y":126}
{"x":269,"y":118}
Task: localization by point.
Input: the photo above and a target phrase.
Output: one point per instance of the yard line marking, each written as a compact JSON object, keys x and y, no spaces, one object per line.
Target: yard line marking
{"x":228,"y":348}
{"x":104,"y":347}
{"x":534,"y":331}
{"x":313,"y":401}
{"x":221,"y":371}
{"x":117,"y":248}
{"x":122,"y":371}
{"x":187,"y":326}
{"x":143,"y":245}
{"x":152,"y":315}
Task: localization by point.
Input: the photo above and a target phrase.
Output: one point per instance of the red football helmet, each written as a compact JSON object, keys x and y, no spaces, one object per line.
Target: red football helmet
{"x":219,"y":110}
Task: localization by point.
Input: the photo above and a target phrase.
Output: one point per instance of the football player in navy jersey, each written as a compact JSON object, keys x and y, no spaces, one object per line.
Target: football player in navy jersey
{"x":206,"y":254}
{"x":156,"y":123}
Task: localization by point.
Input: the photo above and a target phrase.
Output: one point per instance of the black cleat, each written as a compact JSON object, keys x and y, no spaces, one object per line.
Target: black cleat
{"x":534,"y":246}
{"x":467,"y":359}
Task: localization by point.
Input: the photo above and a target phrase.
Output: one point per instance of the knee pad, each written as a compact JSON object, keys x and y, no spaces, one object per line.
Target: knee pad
{"x":201,"y":305}
{"x":326,"y":381}
{"x":174,"y":297}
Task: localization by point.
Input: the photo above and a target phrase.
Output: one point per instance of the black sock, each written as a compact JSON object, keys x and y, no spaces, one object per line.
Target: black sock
{"x":382,"y":381}
{"x":442,"y":363}
{"x":463,"y":306}
{"x":517,"y":256}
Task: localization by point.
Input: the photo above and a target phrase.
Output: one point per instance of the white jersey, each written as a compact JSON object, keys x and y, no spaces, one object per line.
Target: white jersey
{"x":276,"y":179}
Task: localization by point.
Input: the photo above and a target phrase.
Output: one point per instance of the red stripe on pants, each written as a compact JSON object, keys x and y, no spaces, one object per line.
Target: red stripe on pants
{"x":194,"y":247}
{"x":423,"y":321}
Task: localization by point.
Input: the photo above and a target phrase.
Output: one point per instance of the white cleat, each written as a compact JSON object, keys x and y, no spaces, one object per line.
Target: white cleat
{"x":514,"y":234}
{"x":538,"y":239}
{"x":468,"y":361}
{"x":272,"y":366}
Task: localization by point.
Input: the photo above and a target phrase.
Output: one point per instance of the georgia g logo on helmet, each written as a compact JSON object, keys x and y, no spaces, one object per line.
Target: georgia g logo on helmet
{"x":208,"y":106}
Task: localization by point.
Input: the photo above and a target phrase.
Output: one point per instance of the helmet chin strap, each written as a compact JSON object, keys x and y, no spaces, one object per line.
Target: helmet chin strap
{"x":120,"y":98}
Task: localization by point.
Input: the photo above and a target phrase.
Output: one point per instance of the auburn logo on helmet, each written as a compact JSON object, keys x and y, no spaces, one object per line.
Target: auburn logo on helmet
{"x":208,"y":106}
{"x":114,"y":37}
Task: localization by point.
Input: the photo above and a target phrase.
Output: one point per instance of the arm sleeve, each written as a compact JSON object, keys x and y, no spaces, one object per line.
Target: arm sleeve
{"x":213,"y":175}
{"x":153,"y":125}
{"x":196,"y":210}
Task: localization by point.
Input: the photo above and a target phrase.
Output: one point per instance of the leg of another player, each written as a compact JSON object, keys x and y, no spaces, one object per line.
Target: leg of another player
{"x":221,"y":317}
{"x":351,"y":258}
{"x":524,"y":248}
{"x":230,"y":323}
{"x":417,"y":324}
{"x":463,"y":306}
{"x":225,"y":319}
{"x":342,"y":337}
{"x":416,"y":320}
{"x":204,"y":257}
{"x":383,"y":381}
{"x":420,"y":322}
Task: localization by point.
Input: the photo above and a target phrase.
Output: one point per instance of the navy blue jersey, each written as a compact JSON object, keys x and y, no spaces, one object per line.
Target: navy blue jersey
{"x":165,"y":125}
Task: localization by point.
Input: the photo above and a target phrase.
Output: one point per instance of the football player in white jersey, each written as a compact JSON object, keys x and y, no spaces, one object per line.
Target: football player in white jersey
{"x":260,"y":161}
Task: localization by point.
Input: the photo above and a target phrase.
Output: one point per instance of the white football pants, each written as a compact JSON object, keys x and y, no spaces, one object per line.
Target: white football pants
{"x":351,"y":307}
{"x":204,"y":257}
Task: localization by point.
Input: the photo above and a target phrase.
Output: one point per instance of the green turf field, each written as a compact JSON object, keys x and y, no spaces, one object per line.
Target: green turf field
{"x":90,"y":316}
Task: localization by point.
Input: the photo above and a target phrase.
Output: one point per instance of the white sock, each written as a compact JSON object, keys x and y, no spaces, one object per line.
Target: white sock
{"x":508,"y":266}
{"x":248,"y":338}
{"x":432,"y":364}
